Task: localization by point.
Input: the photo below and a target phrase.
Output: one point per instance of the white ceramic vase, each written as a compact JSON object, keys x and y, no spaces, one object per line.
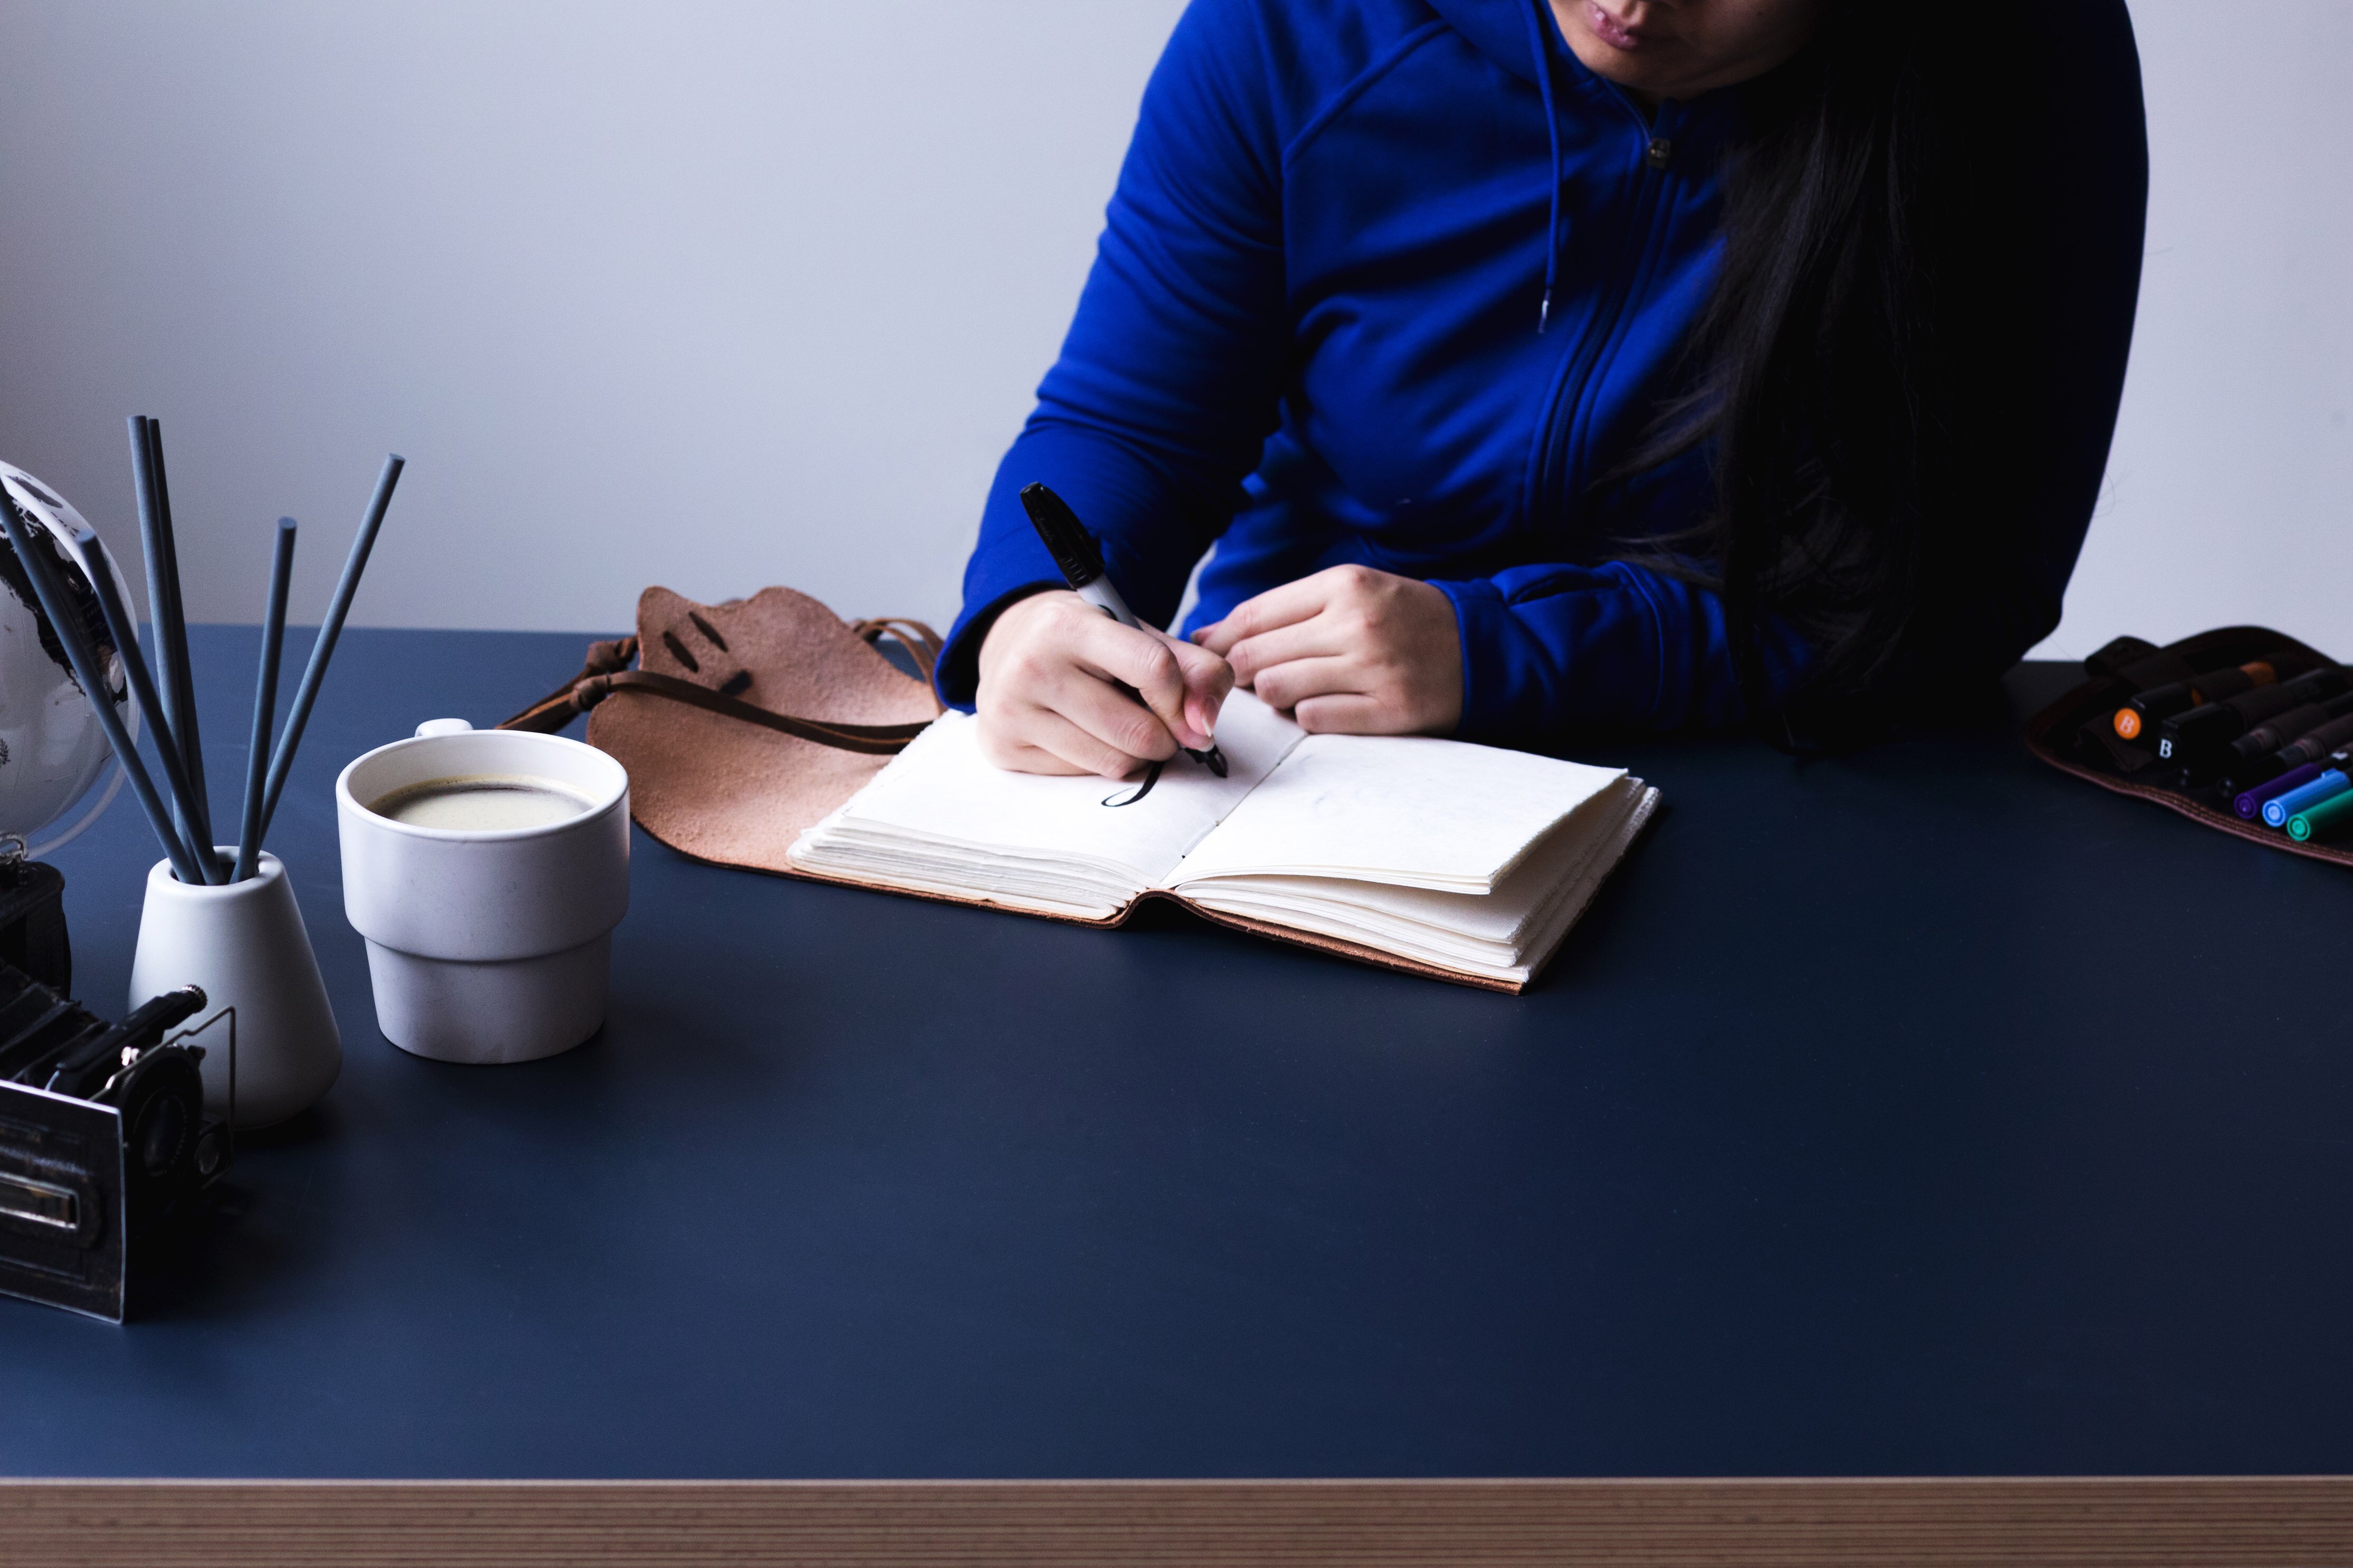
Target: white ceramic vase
{"x":243,"y":944}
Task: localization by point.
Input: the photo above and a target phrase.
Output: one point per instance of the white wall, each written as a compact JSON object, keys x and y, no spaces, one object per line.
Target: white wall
{"x":715,"y":294}
{"x":729,"y":292}
{"x":2230,"y":487}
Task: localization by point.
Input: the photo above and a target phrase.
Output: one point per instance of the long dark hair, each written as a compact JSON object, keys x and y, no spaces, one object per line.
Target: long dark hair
{"x":1815,"y":375}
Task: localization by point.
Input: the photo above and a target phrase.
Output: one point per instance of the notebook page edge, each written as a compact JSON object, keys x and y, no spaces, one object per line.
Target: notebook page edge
{"x":1517,"y":976}
{"x":1321,"y":898}
{"x":1540,"y":953}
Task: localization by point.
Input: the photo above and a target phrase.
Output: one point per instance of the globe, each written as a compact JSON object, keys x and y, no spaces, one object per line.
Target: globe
{"x":52,"y":747}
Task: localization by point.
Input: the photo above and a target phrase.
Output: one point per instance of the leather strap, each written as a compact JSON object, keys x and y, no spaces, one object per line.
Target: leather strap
{"x":554,"y":711}
{"x":607,"y":672}
{"x":921,"y":643}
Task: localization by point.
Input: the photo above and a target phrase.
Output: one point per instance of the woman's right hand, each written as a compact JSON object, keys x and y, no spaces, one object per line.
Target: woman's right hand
{"x":1049,"y":701}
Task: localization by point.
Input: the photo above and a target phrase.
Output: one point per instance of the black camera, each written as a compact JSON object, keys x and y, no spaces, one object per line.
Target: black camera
{"x":103,"y":1136}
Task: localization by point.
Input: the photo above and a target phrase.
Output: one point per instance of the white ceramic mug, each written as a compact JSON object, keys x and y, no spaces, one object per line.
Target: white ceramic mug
{"x":486,"y":945}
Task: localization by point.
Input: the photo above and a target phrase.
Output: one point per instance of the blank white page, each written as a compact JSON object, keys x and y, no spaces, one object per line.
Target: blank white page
{"x":1405,"y":810}
{"x":942,"y":791}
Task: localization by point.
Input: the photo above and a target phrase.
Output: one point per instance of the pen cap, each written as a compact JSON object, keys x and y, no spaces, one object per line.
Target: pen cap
{"x":2206,"y":727}
{"x":2276,"y":731}
{"x":2161,"y":702}
{"x":2279,"y":809}
{"x":1065,"y":537}
{"x":2250,"y":803}
{"x":2328,"y":819}
{"x":2150,"y":706}
{"x":2318,"y":744}
{"x":2293,"y":725}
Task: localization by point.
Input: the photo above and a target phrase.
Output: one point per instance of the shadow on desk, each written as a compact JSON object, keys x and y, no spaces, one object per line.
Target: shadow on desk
{"x":224,"y":1257}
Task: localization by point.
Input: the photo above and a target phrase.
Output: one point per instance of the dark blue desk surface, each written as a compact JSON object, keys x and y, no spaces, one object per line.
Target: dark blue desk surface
{"x":1922,"y":1111}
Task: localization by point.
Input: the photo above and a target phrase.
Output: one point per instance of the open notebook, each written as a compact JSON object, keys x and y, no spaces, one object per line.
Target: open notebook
{"x":1455,"y":860}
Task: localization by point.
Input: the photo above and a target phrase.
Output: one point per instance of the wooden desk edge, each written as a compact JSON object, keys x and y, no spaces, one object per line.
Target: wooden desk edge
{"x":2212,"y":1521}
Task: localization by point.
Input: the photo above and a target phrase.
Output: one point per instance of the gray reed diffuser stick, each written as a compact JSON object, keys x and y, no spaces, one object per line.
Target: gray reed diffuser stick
{"x":264,"y":701}
{"x":282,"y":762}
{"x":51,"y":593}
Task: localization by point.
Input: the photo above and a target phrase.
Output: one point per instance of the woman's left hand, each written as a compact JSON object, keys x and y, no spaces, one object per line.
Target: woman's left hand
{"x":1349,"y":651}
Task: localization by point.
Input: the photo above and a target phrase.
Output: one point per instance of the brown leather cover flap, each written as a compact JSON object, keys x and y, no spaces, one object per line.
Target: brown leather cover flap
{"x":731,"y":793}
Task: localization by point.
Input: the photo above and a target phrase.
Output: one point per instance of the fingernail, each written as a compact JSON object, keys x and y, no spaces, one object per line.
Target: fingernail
{"x":1209,"y":720}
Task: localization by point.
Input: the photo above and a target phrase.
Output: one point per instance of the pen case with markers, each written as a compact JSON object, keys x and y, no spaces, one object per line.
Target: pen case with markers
{"x":2241,"y":728}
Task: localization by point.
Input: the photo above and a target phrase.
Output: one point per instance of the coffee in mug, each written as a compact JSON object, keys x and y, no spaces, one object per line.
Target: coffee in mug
{"x":481,"y":803}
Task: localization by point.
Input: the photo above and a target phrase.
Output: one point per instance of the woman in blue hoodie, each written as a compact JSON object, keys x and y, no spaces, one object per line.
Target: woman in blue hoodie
{"x":1526,"y":364}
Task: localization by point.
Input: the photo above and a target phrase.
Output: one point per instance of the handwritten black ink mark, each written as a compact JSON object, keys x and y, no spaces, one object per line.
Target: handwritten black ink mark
{"x":1151,"y":777}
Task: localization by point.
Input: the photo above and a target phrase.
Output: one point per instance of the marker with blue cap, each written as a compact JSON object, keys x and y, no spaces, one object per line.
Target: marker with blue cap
{"x":2250,"y":802}
{"x":2279,"y":809}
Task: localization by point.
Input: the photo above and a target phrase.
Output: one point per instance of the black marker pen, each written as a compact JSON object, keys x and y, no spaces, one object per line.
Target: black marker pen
{"x":1073,"y":550}
{"x":2200,"y":739}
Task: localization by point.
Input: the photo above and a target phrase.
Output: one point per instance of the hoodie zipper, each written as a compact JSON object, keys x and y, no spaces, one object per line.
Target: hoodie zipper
{"x":1592,"y":356}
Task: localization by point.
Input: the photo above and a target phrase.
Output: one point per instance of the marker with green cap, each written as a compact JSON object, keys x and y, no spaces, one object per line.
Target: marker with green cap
{"x":2326,"y":820}
{"x":2279,"y":809}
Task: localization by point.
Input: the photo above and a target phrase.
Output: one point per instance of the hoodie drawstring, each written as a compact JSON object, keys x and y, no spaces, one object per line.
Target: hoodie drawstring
{"x":1552,"y":130}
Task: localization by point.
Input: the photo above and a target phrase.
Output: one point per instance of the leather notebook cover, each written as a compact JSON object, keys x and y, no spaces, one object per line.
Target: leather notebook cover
{"x":727,"y":793}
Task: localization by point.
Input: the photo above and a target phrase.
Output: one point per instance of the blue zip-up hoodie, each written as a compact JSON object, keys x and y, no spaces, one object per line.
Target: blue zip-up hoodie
{"x":1400,"y":283}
